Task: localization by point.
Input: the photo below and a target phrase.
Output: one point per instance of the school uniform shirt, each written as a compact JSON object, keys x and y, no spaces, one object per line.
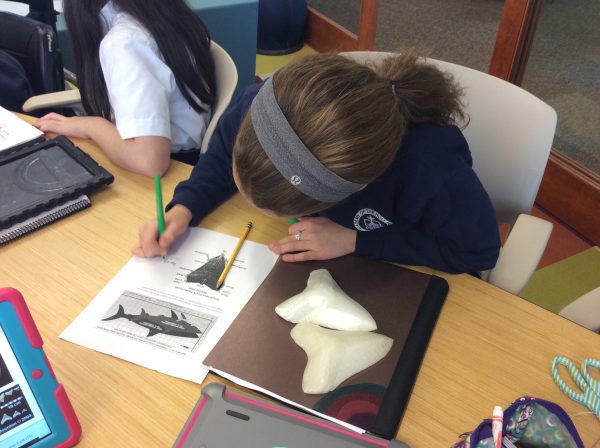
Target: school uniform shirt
{"x":428,"y":208}
{"x":142,"y":91}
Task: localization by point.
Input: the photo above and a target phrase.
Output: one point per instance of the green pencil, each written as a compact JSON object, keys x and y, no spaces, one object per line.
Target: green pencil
{"x":160,"y":213}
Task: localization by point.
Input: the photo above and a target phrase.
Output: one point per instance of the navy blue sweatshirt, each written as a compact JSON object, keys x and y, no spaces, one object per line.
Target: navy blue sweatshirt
{"x":428,"y":208}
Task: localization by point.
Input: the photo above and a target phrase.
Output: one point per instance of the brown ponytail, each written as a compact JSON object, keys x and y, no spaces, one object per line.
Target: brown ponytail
{"x":425,"y":94}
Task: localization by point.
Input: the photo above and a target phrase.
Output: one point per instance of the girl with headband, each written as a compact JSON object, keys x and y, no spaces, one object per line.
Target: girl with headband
{"x":369,"y":159}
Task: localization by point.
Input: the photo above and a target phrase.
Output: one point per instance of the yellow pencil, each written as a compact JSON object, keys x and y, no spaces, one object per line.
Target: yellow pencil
{"x":233,"y":255}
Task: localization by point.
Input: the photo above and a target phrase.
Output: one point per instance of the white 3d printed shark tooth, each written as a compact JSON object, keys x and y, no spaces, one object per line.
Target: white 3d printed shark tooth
{"x":324,"y":303}
{"x":334,"y":356}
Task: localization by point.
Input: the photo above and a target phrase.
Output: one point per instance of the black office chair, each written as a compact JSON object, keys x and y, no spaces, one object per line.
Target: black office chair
{"x":34,"y":44}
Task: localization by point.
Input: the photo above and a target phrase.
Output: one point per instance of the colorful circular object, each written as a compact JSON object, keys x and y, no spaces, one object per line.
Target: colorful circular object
{"x":357,"y":404}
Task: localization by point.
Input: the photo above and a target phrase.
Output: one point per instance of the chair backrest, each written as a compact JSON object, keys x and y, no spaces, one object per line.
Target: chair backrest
{"x":34,"y":45}
{"x":510,"y":135}
{"x":226,"y":77}
{"x":585,"y":310}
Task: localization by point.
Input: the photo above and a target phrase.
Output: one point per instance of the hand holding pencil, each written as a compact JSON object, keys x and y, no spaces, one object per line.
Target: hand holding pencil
{"x":158,"y":234}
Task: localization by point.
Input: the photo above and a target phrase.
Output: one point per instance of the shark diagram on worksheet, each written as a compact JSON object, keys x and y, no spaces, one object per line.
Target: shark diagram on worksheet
{"x":165,"y":314}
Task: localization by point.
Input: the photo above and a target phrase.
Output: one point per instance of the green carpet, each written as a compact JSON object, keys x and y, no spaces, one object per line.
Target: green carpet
{"x":555,"y":286}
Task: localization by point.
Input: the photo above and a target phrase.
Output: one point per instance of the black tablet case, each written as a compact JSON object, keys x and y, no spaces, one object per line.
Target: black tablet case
{"x":257,"y":347}
{"x":50,"y":197}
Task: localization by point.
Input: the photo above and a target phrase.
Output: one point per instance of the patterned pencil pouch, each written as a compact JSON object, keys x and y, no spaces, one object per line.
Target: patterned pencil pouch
{"x":527,"y":423}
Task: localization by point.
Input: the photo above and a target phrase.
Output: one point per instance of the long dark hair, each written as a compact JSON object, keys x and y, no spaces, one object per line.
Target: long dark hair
{"x":182,"y":39}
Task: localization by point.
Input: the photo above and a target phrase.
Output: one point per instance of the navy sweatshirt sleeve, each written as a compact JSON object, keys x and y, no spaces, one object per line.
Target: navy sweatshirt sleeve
{"x":211,"y":181}
{"x":429,"y":208}
{"x":456,"y":229}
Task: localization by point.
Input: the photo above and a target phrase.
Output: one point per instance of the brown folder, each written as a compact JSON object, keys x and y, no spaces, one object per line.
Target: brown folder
{"x":258,"y":348}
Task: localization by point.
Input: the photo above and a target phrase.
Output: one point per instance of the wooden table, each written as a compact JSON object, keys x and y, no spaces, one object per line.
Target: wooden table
{"x":489,"y":347}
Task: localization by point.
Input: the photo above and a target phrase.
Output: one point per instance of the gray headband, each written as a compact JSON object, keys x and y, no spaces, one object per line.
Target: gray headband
{"x":290,"y":156}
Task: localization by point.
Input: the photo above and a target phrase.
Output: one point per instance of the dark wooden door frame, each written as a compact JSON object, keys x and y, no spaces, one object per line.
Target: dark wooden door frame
{"x":569,"y":191}
{"x":513,"y":41}
{"x":326,"y":35}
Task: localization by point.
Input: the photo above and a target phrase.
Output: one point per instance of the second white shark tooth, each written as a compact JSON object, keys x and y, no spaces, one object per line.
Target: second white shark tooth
{"x":334,"y":356}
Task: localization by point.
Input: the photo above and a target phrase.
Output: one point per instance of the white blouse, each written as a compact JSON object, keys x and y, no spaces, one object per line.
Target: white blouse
{"x":142,"y":91}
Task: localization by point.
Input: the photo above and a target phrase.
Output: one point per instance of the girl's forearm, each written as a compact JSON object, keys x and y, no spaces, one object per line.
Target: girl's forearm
{"x":148,"y":155}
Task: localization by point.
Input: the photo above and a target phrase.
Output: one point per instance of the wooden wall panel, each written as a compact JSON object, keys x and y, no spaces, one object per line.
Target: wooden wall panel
{"x":571,"y":192}
{"x":367,"y":24}
{"x":325,"y":35}
{"x":513,"y":40}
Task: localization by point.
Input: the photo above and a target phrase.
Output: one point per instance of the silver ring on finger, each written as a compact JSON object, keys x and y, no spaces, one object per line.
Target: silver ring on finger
{"x":298,"y":235}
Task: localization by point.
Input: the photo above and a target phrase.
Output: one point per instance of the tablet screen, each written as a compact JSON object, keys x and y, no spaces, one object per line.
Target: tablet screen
{"x":22,"y":423}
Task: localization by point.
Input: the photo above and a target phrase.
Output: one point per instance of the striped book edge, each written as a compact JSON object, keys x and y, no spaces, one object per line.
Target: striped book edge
{"x":57,"y":213}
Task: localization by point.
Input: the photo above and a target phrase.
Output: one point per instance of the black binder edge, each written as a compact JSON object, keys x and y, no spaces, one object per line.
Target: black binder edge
{"x":398,"y":391}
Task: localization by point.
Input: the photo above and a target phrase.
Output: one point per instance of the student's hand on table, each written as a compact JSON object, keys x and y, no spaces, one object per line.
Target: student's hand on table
{"x":176,"y":222}
{"x":319,"y":239}
{"x":145,"y":154}
{"x":69,"y":126}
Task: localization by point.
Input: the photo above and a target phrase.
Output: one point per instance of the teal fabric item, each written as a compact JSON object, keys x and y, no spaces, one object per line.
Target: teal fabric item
{"x":589,"y":389}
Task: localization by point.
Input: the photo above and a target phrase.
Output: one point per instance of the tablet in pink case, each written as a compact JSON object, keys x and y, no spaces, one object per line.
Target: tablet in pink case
{"x":228,"y":419}
{"x":35,"y":411}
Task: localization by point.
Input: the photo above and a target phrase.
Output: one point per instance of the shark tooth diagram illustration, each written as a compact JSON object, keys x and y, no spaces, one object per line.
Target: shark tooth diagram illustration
{"x":324,"y":303}
{"x":209,"y":272}
{"x":334,"y":356}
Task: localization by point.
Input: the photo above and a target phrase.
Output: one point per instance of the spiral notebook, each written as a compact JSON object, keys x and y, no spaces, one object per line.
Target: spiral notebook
{"x":59,"y":212}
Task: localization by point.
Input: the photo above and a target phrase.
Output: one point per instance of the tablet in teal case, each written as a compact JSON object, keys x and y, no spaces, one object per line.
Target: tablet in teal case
{"x":35,"y":411}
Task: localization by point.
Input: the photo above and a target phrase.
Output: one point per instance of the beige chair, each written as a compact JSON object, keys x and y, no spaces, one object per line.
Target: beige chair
{"x":510,"y":135}
{"x":585,"y":310}
{"x":226,"y":77}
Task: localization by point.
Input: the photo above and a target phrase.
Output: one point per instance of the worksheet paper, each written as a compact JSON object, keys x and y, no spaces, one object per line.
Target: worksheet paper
{"x":150,"y":315}
{"x":15,"y":131}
